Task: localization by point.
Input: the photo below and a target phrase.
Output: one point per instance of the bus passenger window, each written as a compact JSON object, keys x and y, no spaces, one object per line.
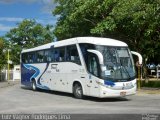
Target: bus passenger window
{"x":62,"y":54}
{"x":24,"y":58}
{"x":40,"y":56}
{"x":47,"y":56}
{"x":56,"y":55}
{"x":72,"y":54}
{"x":59,"y":54}
{"x":31,"y":57}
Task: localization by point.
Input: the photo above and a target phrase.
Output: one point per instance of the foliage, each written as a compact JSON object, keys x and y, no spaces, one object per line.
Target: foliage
{"x":151,"y":84}
{"x":139,"y":20}
{"x":26,"y":35}
{"x":2,"y":53}
{"x":136,"y":22}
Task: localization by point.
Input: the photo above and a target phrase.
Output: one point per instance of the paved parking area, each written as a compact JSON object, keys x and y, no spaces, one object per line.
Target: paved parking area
{"x":17,"y":99}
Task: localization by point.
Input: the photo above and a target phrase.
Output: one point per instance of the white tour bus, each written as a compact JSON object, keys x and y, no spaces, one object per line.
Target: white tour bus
{"x":90,"y":66}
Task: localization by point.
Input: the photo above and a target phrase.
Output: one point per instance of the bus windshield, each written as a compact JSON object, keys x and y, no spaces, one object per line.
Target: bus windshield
{"x":118,"y":63}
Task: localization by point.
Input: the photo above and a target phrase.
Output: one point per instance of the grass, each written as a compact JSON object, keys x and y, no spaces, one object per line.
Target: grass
{"x":151,"y":84}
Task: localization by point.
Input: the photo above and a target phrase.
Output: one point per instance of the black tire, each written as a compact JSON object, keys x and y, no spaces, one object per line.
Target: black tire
{"x":34,"y":86}
{"x":77,"y":91}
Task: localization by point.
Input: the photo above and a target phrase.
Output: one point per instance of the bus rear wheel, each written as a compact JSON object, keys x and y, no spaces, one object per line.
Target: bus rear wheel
{"x":34,"y":87}
{"x":77,"y":91}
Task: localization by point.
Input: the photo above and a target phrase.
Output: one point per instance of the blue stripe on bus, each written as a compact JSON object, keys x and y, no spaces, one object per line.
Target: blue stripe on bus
{"x":32,"y":73}
{"x":108,"y":82}
{"x":30,"y":67}
{"x":26,"y":75}
{"x":38,"y":81}
{"x":43,"y":87}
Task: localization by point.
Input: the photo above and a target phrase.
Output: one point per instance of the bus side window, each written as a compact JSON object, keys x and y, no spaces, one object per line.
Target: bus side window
{"x":62,"y":54}
{"x":84,"y":47}
{"x":24,"y":58}
{"x":59,"y":54}
{"x":47,"y":56}
{"x":72,"y":54}
{"x":56,"y":55}
{"x":40,"y":56}
{"x":30,"y":58}
{"x":34,"y":57}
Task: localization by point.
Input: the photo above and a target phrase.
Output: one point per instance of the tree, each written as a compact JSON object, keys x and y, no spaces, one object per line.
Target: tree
{"x":2,"y":53}
{"x":135,"y":22}
{"x":138,"y":22}
{"x":26,"y":35}
{"x":69,"y":26}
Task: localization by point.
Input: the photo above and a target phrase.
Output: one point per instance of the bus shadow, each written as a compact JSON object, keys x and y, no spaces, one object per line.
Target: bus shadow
{"x":25,"y":87}
{"x":86,"y":98}
{"x":48,"y":91}
{"x":56,"y":93}
{"x":117,"y":99}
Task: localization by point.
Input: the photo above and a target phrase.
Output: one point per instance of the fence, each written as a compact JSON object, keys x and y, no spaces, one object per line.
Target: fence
{"x":4,"y":75}
{"x":151,"y":73}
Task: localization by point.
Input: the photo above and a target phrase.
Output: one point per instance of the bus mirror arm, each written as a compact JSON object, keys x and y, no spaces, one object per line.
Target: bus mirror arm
{"x":99,"y":54}
{"x":139,"y":56}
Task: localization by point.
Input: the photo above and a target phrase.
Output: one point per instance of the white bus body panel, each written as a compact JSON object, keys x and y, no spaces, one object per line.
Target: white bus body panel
{"x":60,"y":76}
{"x":111,"y":92}
{"x":91,"y":40}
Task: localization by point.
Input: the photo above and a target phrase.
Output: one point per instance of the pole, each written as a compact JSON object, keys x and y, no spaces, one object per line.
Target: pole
{"x":8,"y":66}
{"x":139,"y":77}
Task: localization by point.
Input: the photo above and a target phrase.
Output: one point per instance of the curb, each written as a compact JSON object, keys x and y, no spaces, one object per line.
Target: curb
{"x":149,"y":92}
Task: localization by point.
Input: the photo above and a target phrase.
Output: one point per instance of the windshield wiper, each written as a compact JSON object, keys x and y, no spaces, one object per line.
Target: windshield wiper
{"x":125,"y":70}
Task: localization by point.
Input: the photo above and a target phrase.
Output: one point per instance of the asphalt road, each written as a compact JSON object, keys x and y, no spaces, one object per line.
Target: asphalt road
{"x":21,"y":100}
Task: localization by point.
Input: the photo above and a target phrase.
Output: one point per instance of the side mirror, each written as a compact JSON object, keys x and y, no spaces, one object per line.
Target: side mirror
{"x":99,"y":54}
{"x":139,"y":56}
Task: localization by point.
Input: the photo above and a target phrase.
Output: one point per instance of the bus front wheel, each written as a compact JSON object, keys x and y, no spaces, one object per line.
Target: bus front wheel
{"x":77,"y":91}
{"x":34,"y":87}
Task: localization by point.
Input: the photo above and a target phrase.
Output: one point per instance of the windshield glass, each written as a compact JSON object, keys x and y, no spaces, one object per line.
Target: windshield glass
{"x":118,"y":64}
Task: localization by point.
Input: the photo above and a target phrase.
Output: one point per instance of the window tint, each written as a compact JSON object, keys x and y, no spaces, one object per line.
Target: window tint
{"x":92,"y":65}
{"x":59,"y":54}
{"x":84,"y":47}
{"x":40,"y":56}
{"x":28,"y":57}
{"x":48,"y":56}
{"x":31,"y":57}
{"x":72,"y":54}
{"x":91,"y":60}
{"x":24,"y":58}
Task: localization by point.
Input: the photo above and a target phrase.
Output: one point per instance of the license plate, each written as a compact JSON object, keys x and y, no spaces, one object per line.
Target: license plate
{"x":122,"y":93}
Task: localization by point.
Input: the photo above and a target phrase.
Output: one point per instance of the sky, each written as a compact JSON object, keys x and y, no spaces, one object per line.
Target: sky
{"x":13,"y":12}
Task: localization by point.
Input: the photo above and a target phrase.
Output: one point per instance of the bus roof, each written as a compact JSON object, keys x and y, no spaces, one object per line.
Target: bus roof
{"x":91,"y":40}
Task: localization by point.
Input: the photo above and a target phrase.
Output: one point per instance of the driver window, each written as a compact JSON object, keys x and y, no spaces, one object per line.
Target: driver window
{"x":93,"y":65}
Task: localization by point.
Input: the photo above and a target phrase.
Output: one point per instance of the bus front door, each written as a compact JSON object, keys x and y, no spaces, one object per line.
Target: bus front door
{"x":93,"y":69}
